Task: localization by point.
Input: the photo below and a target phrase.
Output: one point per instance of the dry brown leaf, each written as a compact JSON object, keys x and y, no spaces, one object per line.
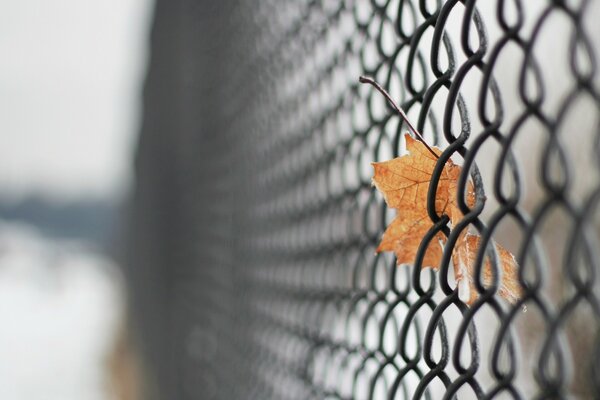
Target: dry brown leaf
{"x":404,"y":182}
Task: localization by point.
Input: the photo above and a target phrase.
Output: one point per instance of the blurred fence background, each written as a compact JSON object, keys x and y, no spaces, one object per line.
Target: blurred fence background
{"x":254,"y":221}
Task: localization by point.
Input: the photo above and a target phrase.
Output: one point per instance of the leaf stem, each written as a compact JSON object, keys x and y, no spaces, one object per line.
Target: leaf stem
{"x":364,"y":79}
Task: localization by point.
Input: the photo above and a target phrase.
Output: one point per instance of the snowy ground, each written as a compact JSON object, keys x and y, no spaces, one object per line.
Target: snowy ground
{"x":61,"y":306}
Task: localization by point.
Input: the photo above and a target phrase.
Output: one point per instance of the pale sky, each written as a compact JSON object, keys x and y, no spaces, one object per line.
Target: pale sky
{"x":71,"y":74}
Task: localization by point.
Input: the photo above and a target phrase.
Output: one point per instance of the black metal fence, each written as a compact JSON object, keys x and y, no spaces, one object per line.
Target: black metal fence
{"x":255,"y":222}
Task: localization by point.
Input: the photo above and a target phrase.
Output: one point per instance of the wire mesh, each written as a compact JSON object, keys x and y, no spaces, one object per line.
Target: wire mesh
{"x":255,"y":222}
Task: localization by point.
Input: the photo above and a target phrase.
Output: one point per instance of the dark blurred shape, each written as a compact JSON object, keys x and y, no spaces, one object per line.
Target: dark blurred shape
{"x":93,"y":221}
{"x":185,"y":59}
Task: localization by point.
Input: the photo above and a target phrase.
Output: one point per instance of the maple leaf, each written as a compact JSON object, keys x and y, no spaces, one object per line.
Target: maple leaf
{"x":404,"y":183}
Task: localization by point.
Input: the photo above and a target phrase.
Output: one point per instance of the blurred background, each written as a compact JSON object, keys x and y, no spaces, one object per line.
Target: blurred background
{"x":71,"y":80}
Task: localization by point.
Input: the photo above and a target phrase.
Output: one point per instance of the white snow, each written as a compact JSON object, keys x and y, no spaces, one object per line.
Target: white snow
{"x":60,"y":308}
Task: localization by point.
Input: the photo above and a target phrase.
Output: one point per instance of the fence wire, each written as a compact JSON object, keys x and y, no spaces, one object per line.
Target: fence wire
{"x":255,"y":224}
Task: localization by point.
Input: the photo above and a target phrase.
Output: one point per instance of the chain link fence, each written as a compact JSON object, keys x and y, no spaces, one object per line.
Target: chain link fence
{"x":253,"y":265}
